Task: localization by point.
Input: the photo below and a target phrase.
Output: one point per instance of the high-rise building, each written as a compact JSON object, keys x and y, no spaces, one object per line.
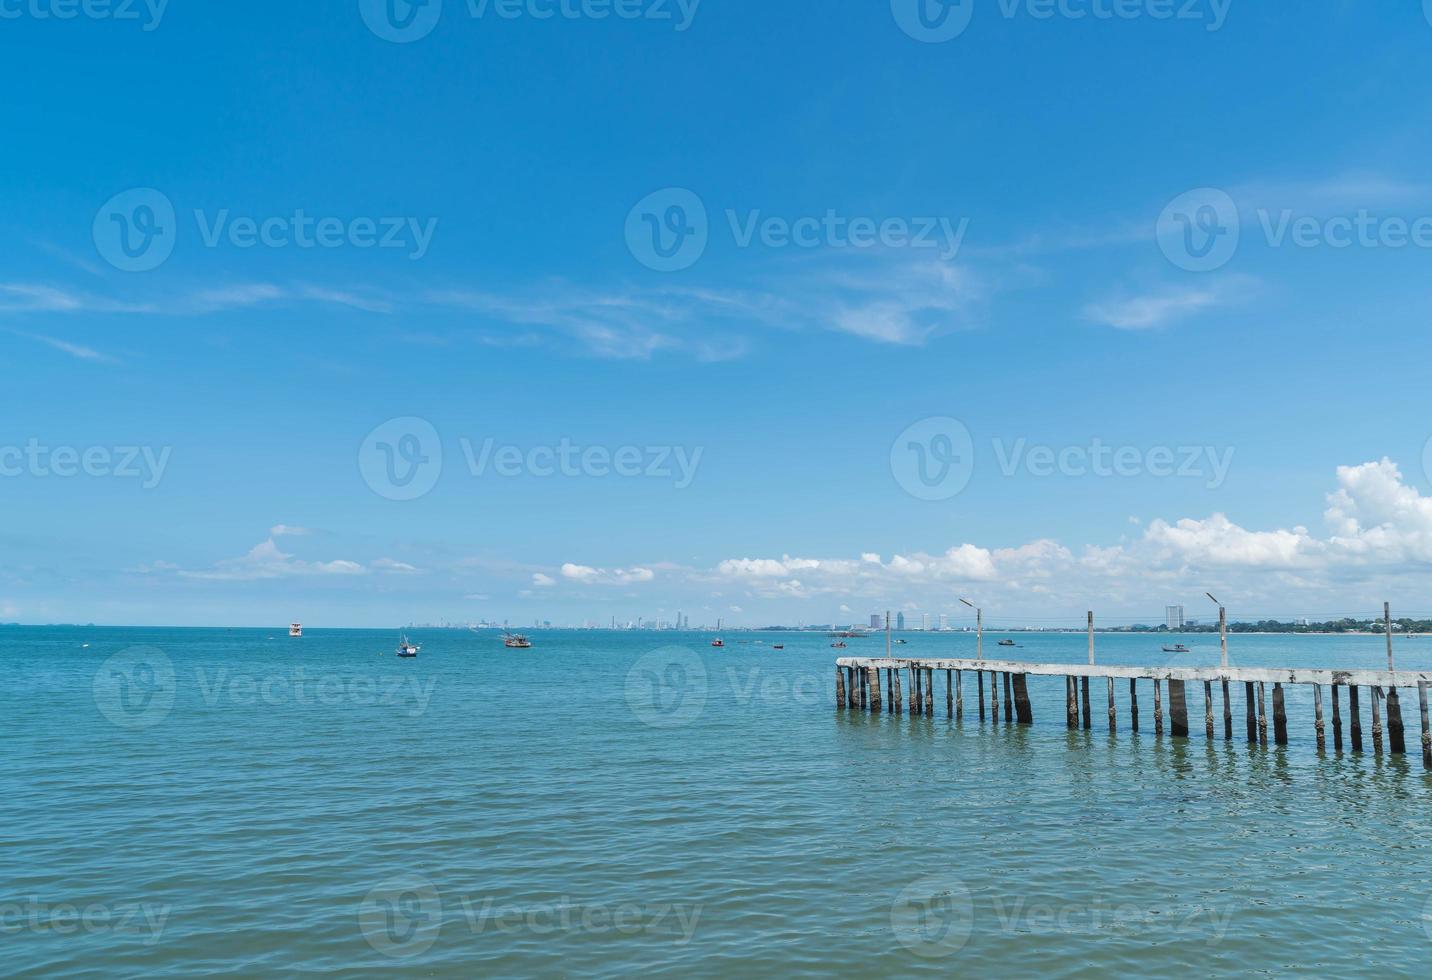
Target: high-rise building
{"x":900,"y":621}
{"x":944,"y":621}
{"x":876,"y":621}
{"x":1174,"y":615}
{"x":924,"y":621}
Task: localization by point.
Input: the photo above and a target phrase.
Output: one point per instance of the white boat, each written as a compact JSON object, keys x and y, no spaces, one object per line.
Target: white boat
{"x":295,"y":629}
{"x":516,"y":641}
{"x":405,"y":648}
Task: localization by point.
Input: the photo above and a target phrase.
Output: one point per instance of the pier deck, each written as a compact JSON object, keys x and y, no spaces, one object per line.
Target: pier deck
{"x":858,"y":686}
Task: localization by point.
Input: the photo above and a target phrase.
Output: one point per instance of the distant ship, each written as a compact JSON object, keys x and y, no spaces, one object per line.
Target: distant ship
{"x":516,"y":641}
{"x":1176,"y":648}
{"x":1006,"y":643}
{"x":406,"y":649}
{"x":295,"y":629}
{"x":718,"y":642}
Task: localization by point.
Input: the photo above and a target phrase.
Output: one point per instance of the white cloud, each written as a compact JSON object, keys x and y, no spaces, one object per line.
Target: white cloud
{"x":266,"y":561}
{"x":74,"y":350}
{"x":601,"y":576}
{"x":393,"y":567}
{"x":539,"y":578}
{"x":281,"y":530}
{"x":1167,"y":305}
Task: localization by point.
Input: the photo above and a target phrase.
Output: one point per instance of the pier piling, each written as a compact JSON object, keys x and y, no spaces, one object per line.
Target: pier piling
{"x":899,"y":707}
{"x":1177,"y":710}
{"x":929,"y":692}
{"x":1134,"y":703}
{"x":1318,"y":716}
{"x":1227,"y":713}
{"x":1426,"y":730}
{"x":874,"y":675}
{"x":840,"y":687}
{"x":1084,"y":699}
{"x":1280,"y":716}
{"x":950,"y":693}
{"x":1337,"y":718}
{"x":1022,"y":709}
{"x":1113,"y":713}
{"x":980,"y":676}
{"x":1158,"y":709}
{"x":1396,"y":738}
{"x":1262,"y":714}
{"x":1376,"y":720}
{"x":1354,"y":718}
{"x":1071,"y":702}
{"x":959,"y":695}
{"x":1008,"y":700}
{"x":1248,"y":699}
{"x":994,"y":696}
{"x":1208,"y":709}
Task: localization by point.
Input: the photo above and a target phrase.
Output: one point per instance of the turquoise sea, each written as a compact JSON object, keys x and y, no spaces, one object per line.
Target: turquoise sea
{"x":177,"y":802}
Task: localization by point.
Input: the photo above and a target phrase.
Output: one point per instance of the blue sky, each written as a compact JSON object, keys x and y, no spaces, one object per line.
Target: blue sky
{"x":1016,"y":196}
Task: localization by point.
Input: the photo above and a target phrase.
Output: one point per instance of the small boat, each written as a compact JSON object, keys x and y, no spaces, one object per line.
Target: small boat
{"x":406,"y":649}
{"x":295,"y":629}
{"x":839,"y":644}
{"x":902,"y":641}
{"x":1006,"y":643}
{"x":718,"y":642}
{"x":780,"y":646}
{"x":516,"y":641}
{"x":1176,"y":648}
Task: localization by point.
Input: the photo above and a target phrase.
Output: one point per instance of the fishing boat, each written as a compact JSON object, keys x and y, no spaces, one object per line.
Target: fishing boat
{"x":1176,"y":648}
{"x":779,"y":646}
{"x":1006,"y":643}
{"x":406,"y":648}
{"x":902,"y":641}
{"x":516,"y":641}
{"x":839,"y":644}
{"x":295,"y":629}
{"x":718,"y":642}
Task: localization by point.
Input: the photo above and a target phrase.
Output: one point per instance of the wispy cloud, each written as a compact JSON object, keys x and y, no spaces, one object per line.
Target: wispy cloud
{"x":1166,"y":305}
{"x":74,"y":350}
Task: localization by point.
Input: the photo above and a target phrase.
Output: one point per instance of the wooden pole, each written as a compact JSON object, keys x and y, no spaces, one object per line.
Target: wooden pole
{"x":1227,"y":714}
{"x":1354,"y":716}
{"x":874,"y":676}
{"x":1223,"y":637}
{"x":1318,"y":716}
{"x":863,"y":680}
{"x":1376,"y":720}
{"x":899,"y":707}
{"x":929,"y":692}
{"x":1158,"y":709}
{"x":1113,"y":716}
{"x":1426,"y":730}
{"x":1134,"y":703}
{"x":1387,"y":624}
{"x":949,"y":693}
{"x":1337,"y":718}
{"x":1252,"y":719}
{"x":979,"y":674}
{"x":1280,"y":716}
{"x":1177,"y":710}
{"x":959,"y":694}
{"x":1208,"y":709}
{"x":994,"y":696}
{"x":1084,"y":699}
{"x":1071,"y":701}
{"x":1022,"y":709}
{"x":840,"y":687}
{"x":1396,"y":739}
{"x":1262,"y":714}
{"x":1008,"y":700}
{"x":852,"y":689}
{"x":890,"y":689}
{"x":917,"y":703}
